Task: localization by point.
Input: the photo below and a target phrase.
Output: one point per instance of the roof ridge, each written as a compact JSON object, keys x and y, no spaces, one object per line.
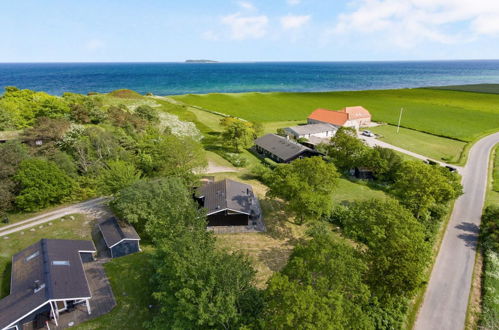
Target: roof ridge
{"x":46,"y":269}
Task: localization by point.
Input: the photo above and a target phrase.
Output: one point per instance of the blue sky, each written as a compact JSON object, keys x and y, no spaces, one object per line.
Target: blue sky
{"x":247,"y":30}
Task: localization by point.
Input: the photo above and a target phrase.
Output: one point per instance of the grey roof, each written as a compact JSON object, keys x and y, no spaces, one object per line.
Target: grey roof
{"x":311,"y":129}
{"x":226,"y":194}
{"x":281,"y":146}
{"x":115,"y":231}
{"x":63,"y":280}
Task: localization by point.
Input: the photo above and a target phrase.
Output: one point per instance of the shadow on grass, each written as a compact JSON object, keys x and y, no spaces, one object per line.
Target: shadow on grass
{"x":277,"y":221}
{"x":5,"y":283}
{"x":274,"y":258}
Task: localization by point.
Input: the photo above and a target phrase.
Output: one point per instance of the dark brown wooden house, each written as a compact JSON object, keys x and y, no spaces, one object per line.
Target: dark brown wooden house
{"x":48,"y":278}
{"x":281,"y":149}
{"x":228,"y":203}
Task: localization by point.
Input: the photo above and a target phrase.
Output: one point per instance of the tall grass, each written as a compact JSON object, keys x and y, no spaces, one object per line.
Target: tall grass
{"x":490,"y":302}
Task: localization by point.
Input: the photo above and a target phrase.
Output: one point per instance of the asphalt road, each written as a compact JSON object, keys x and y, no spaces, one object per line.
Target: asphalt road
{"x":94,"y":207}
{"x":446,"y":298}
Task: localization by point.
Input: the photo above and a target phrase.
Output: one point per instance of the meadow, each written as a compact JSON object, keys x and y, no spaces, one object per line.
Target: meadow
{"x":432,"y":146}
{"x":459,"y":115}
{"x":476,"y":88}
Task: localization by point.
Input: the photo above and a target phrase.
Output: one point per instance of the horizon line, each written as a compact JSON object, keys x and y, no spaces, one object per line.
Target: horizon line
{"x":246,"y":61}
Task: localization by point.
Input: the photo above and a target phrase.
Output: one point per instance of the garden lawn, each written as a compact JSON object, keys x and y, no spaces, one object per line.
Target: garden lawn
{"x":129,"y":277}
{"x":459,"y":115}
{"x":78,"y":228}
{"x":432,"y":146}
{"x":348,"y":191}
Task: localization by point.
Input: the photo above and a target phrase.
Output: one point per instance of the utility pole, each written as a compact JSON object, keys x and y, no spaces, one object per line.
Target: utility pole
{"x":400,"y":118}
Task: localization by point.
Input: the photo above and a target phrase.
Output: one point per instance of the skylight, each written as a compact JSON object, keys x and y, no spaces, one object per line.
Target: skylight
{"x":32,"y":256}
{"x":60,"y":263}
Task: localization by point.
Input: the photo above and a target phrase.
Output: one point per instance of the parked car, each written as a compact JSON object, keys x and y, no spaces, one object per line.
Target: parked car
{"x":450,"y":168}
{"x":368,"y":133}
{"x":430,"y":162}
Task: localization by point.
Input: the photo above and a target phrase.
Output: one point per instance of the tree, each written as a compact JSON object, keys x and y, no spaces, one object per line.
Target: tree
{"x":117,"y":175}
{"x":397,"y":250}
{"x":489,"y":229}
{"x":147,"y":113}
{"x":13,"y":153}
{"x":198,"y":286}
{"x":238,"y":134}
{"x":159,"y":208}
{"x":85,"y":109}
{"x":320,"y":288}
{"x":419,"y":187}
{"x":170,"y":155}
{"x":120,"y":116}
{"x":41,"y":184}
{"x":307,"y":185}
{"x":95,"y":146}
{"x":384,"y":162}
{"x":346,"y":150}
{"x":22,"y":107}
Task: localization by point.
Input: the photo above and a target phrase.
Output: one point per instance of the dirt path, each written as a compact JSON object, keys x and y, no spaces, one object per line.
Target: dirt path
{"x":94,"y":207}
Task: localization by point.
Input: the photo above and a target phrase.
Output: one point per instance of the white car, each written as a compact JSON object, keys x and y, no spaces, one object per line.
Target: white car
{"x":368,"y":133}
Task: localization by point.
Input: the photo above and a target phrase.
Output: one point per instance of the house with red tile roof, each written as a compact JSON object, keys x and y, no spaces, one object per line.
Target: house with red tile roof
{"x":347,"y":117}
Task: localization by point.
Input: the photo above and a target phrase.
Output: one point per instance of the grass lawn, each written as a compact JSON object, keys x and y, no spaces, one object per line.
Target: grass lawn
{"x":64,"y":228}
{"x":348,"y":191}
{"x":432,"y":146}
{"x":129,"y":278}
{"x":271,"y":127}
{"x":460,"y":115}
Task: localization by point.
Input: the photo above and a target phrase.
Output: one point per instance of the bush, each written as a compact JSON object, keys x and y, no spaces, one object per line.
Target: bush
{"x":269,"y":162}
{"x":42,"y":184}
{"x":235,"y":159}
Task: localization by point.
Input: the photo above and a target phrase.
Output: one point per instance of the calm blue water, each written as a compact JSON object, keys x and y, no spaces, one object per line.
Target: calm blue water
{"x":182,"y":78}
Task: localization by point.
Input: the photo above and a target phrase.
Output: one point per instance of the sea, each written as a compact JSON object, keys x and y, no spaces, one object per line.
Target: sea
{"x":200,"y":78}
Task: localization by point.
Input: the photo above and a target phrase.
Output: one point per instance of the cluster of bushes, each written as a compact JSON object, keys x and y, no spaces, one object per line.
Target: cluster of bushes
{"x":75,"y":147}
{"x":489,"y":238}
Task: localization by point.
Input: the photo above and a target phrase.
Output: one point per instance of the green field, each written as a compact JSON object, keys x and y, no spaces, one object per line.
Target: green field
{"x":463,"y":116}
{"x":78,"y":228}
{"x":476,"y":88}
{"x":432,"y":146}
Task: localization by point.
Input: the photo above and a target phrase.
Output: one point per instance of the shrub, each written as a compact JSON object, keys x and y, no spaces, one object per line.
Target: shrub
{"x":235,"y":159}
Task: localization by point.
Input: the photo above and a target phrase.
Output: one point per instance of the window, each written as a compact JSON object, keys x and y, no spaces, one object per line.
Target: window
{"x":32,"y":256}
{"x":60,"y":263}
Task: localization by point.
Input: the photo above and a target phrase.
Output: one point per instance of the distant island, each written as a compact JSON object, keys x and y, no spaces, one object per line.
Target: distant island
{"x":200,"y":61}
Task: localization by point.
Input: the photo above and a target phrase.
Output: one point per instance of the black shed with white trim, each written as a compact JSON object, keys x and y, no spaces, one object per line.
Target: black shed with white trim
{"x":120,"y":237}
